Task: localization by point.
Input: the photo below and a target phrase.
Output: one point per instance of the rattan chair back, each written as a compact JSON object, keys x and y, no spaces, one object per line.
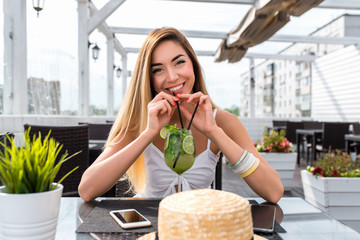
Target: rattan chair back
{"x":312,"y":125}
{"x":279,"y":123}
{"x":73,"y":139}
{"x":291,"y":130}
{"x":334,"y":135}
{"x":356,"y":127}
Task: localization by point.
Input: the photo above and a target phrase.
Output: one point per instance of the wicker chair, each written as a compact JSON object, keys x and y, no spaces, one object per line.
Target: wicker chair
{"x":217,"y":183}
{"x":291,"y":130}
{"x":333,"y":136}
{"x":3,"y":139}
{"x":311,"y":125}
{"x":279,"y":123}
{"x":356,"y":130}
{"x":99,"y":131}
{"x":74,"y":139}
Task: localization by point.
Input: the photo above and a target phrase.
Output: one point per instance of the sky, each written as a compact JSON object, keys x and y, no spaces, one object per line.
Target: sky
{"x":52,"y":42}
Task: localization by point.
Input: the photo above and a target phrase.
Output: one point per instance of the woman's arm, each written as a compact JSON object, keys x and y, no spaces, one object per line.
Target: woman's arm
{"x":112,"y":163}
{"x":116,"y":159}
{"x":232,"y":138}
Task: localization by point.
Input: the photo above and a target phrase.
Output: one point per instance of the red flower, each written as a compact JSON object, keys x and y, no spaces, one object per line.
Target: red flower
{"x":336,"y":173}
{"x":316,"y":170}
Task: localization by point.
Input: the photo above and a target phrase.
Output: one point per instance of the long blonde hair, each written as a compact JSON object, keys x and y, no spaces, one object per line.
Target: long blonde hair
{"x":132,"y":116}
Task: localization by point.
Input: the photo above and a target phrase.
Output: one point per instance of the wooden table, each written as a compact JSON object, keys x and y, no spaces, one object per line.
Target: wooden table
{"x":313,"y":134}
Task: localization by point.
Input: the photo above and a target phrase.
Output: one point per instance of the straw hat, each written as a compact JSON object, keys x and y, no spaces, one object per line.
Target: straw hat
{"x":204,"y":214}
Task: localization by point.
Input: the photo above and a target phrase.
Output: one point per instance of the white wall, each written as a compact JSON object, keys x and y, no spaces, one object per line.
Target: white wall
{"x":336,"y":86}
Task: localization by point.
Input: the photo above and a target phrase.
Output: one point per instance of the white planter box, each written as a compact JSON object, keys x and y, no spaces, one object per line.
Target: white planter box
{"x":284,"y":164}
{"x":340,"y":197}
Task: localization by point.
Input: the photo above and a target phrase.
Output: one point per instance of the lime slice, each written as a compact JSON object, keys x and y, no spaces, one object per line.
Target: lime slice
{"x":188,"y":144}
{"x":163,"y":132}
{"x":166,"y":142}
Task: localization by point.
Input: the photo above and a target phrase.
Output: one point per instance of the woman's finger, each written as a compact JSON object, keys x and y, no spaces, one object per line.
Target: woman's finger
{"x":204,"y":99}
{"x":191,"y":98}
{"x":161,"y":107}
{"x":162,"y":95}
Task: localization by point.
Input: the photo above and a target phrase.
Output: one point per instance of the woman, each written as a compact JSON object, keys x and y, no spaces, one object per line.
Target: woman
{"x":167,"y":71}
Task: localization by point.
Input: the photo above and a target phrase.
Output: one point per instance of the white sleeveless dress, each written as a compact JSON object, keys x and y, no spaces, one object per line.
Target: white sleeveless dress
{"x":161,"y":180}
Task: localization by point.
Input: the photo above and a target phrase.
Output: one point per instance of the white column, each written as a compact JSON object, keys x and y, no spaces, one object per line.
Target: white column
{"x":252,"y":89}
{"x":124,"y":75}
{"x":110,"y":77}
{"x":83,"y":55}
{"x":15,"y":58}
{"x":8,"y":61}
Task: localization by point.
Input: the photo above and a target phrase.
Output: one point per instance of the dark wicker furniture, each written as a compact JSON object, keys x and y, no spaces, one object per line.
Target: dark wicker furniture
{"x":74,"y":139}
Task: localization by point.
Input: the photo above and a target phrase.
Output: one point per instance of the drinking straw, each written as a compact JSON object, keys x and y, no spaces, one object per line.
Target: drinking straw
{"x":193,"y":115}
{"x":177,"y":104}
{"x":177,"y":157}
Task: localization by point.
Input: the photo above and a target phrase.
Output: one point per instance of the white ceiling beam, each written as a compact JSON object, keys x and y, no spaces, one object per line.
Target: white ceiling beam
{"x":336,"y":4}
{"x":100,"y":16}
{"x":187,"y":33}
{"x":221,"y":1}
{"x":104,"y":28}
{"x":305,"y":58}
{"x":315,"y":39}
{"x":199,"y":53}
{"x":341,"y":4}
{"x":223,"y":35}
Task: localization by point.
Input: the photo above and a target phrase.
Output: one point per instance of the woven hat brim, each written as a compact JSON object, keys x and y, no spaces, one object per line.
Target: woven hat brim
{"x":151,"y":236}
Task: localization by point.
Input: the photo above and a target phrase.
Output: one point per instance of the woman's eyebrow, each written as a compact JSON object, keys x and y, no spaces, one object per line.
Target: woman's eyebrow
{"x":155,"y":64}
{"x":172,"y":60}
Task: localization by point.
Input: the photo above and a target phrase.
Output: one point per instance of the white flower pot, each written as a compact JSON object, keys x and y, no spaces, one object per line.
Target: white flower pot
{"x":340,"y":197}
{"x":29,"y":216}
{"x":284,"y":164}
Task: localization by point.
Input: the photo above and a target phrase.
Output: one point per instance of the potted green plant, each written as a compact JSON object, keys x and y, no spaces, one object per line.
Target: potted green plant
{"x":29,"y":197}
{"x":332,"y":183}
{"x":279,"y":153}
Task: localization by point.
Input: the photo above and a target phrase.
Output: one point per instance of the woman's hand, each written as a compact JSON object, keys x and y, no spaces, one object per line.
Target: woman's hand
{"x":204,"y":120}
{"x":160,"y":110}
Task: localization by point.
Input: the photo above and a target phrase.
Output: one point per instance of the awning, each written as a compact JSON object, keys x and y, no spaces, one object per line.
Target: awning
{"x":259,"y":24}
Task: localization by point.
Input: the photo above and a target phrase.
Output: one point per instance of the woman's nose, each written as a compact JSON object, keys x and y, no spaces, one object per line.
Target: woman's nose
{"x":172,"y":74}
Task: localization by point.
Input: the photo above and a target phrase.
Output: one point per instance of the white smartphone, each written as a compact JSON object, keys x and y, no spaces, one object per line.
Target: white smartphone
{"x":263,"y":217}
{"x":129,"y":218}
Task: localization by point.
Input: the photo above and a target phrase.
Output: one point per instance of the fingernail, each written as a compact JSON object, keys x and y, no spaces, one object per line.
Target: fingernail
{"x":188,"y":100}
{"x":173,"y":103}
{"x":176,"y":98}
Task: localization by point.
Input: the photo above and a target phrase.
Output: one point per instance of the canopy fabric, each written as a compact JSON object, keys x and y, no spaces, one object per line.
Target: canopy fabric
{"x":259,"y":24}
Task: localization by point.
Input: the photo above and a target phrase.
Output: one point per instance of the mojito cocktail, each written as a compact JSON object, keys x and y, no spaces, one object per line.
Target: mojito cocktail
{"x":179,"y":149}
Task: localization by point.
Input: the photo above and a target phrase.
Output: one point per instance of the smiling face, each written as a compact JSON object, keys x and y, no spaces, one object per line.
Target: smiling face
{"x":171,"y":68}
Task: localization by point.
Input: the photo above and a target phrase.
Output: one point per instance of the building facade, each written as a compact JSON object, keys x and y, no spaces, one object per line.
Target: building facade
{"x":283,"y":88}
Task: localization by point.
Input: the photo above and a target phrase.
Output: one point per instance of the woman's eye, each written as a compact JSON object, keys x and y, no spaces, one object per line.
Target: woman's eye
{"x":156,"y":70}
{"x":179,"y":62}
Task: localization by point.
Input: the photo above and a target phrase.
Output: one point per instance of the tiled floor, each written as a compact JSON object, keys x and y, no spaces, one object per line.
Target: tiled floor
{"x":233,"y":183}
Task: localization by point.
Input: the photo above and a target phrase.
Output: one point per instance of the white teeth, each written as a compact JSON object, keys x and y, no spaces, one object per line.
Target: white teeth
{"x":176,"y":88}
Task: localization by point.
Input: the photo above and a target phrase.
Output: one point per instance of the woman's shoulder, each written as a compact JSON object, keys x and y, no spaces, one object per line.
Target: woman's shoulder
{"x":228,"y":121}
{"x":224,"y":117}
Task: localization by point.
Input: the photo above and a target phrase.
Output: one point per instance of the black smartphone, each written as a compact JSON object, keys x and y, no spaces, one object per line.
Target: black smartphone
{"x":263,"y":217}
